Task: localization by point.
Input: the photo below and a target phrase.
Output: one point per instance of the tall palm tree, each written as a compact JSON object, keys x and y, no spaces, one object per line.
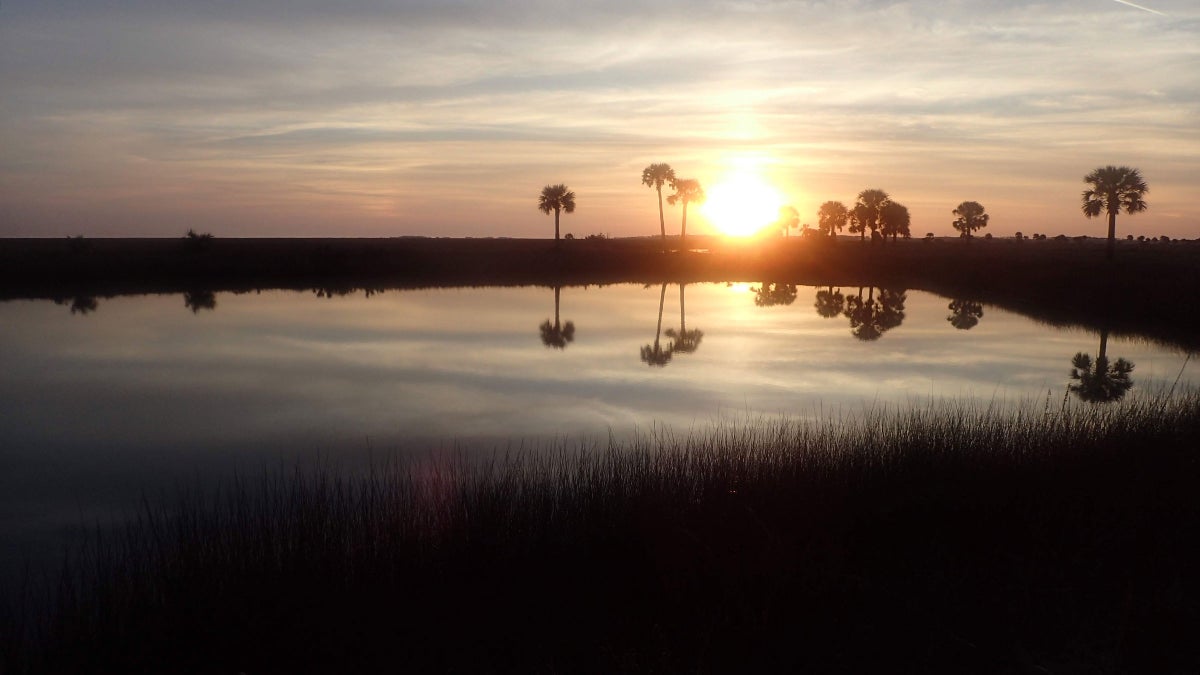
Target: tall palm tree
{"x":830,"y":303}
{"x":556,"y":198}
{"x":655,"y":355}
{"x":964,"y":314}
{"x":831,"y":217}
{"x":557,"y":335}
{"x":656,"y":176}
{"x":686,"y":341}
{"x":1114,"y":188}
{"x":865,"y":214}
{"x":687,"y":190}
{"x":894,"y":220}
{"x":789,"y":218}
{"x":970,"y":218}
{"x":1100,"y":381}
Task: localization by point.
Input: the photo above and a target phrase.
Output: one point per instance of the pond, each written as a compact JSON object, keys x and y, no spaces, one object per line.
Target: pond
{"x":107,"y":399}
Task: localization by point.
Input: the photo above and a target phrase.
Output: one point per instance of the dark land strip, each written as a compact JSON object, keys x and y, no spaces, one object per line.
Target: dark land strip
{"x":1143,"y":292}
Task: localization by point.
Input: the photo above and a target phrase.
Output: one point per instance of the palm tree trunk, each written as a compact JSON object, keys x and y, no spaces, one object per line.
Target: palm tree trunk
{"x":662,"y":223}
{"x":1103,"y":345}
{"x":661,"y":298}
{"x":682,"y":326}
{"x":556,"y":291}
{"x":1112,"y":234}
{"x":556,"y":226}
{"x":683,"y":230}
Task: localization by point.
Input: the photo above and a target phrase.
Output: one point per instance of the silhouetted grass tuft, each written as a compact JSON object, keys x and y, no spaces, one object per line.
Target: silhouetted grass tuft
{"x":951,"y":538}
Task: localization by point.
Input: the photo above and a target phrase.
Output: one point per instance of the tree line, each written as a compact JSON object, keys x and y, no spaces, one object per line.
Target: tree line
{"x":1112,"y":189}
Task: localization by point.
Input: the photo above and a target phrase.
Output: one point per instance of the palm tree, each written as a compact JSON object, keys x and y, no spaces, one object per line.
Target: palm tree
{"x":655,"y":355}
{"x":556,"y":198}
{"x":1100,"y":381}
{"x":687,"y":190}
{"x":870,"y":319}
{"x":656,"y":176}
{"x":894,"y":220}
{"x":770,"y":295}
{"x":830,"y":303}
{"x":197,"y":300}
{"x":970,"y":218}
{"x":832,"y":216}
{"x":789,"y":218}
{"x":965,"y":314}
{"x":866,"y":211}
{"x":1114,"y":188}
{"x":686,"y":341}
{"x":557,"y":335}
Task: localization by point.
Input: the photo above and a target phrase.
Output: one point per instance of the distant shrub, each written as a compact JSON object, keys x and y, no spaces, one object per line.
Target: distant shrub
{"x":78,"y":244}
{"x":569,"y":236}
{"x":1164,"y":238}
{"x":1019,"y":236}
{"x":597,"y":236}
{"x":988,"y":235}
{"x":1129,"y":237}
{"x":194,"y":241}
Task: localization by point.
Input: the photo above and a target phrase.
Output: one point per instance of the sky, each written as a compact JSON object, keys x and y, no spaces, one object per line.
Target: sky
{"x":376,"y":118}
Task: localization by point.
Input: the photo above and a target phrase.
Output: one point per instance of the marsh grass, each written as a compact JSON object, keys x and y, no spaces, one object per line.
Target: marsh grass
{"x":946,"y":538}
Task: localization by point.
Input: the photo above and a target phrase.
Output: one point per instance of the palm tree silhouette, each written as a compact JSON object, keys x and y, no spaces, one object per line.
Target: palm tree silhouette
{"x":686,"y":341}
{"x":894,"y":220}
{"x":970,"y":218}
{"x":556,"y":198}
{"x":965,"y":314}
{"x":198,"y":300}
{"x":770,"y":295}
{"x":830,"y":303}
{"x":789,"y":218}
{"x":687,"y":190}
{"x":831,"y":217}
{"x":656,"y":176}
{"x":556,"y":334}
{"x":1114,"y":188}
{"x":865,"y":214}
{"x":655,"y":355}
{"x":1100,"y":381}
{"x":870,"y":319}
{"x":80,"y":304}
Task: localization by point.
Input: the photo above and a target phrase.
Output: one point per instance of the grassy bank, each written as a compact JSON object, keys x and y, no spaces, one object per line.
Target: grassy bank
{"x":1065,"y":281}
{"x":1050,"y":539}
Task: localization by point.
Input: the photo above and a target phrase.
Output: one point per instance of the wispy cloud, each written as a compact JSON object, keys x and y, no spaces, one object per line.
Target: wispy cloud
{"x":1144,"y":9}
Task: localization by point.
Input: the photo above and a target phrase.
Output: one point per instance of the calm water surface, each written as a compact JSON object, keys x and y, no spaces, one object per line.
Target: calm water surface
{"x":105,"y":400}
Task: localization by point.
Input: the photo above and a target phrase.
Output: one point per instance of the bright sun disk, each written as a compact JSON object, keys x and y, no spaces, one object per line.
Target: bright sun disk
{"x":742,"y":205}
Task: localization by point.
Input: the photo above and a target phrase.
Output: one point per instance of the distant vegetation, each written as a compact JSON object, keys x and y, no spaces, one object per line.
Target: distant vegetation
{"x":948,"y":538}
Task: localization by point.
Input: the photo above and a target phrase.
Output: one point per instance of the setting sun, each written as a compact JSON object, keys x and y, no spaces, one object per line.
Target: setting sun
{"x":742,"y":205}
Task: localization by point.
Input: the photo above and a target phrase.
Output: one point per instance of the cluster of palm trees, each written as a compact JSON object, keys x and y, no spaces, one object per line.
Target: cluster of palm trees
{"x":1112,"y":189}
{"x":875,"y":210}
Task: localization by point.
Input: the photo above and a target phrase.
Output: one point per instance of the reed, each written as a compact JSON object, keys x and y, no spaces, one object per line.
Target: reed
{"x":943,"y":538}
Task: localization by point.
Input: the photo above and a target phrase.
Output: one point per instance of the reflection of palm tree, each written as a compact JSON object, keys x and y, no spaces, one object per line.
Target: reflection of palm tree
{"x":655,"y":355}
{"x":870,"y":319}
{"x":686,"y":341}
{"x":830,"y":303}
{"x":198,"y":300}
{"x":965,"y":314}
{"x":769,"y":295}
{"x":83,"y":304}
{"x":556,"y":334}
{"x":1100,"y":381}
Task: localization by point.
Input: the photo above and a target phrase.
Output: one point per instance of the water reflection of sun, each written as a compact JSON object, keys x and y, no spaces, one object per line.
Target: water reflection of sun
{"x":742,"y":204}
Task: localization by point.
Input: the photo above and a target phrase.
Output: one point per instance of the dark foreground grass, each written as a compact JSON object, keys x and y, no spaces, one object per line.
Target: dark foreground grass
{"x":948,"y":539}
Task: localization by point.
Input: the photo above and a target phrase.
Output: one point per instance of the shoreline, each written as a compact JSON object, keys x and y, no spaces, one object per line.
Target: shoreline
{"x":1057,"y":281}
